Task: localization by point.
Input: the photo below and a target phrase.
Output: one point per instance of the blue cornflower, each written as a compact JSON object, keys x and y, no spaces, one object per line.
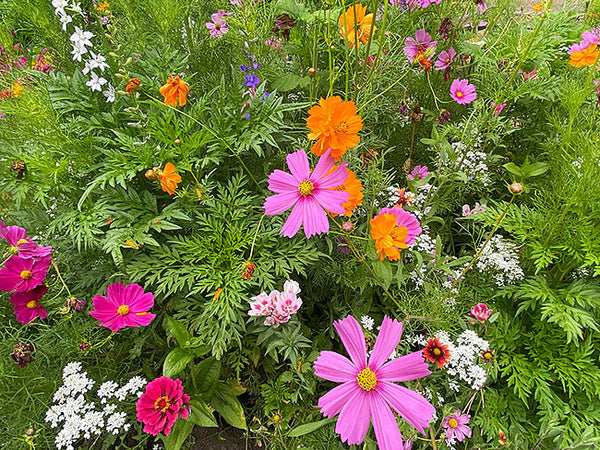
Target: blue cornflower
{"x":251,"y":80}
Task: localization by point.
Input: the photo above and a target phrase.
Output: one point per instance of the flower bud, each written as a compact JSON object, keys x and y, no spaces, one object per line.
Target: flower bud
{"x":177,"y":141}
{"x":347,"y":226}
{"x":30,"y":431}
{"x":515,"y":188}
{"x":312,"y":72}
{"x":84,"y":346}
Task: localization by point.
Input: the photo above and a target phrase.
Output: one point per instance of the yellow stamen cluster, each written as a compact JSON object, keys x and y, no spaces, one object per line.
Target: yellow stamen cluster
{"x":32,"y":304}
{"x":367,"y":379}
{"x":452,"y":423}
{"x":123,"y":310}
{"x":306,"y":188}
{"x":162,"y":403}
{"x":26,"y":274}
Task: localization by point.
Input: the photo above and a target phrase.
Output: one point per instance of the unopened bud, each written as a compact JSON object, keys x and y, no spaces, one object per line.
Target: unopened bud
{"x":347,"y":226}
{"x":177,"y":141}
{"x":515,"y":188}
{"x":30,"y":431}
{"x":312,"y":72}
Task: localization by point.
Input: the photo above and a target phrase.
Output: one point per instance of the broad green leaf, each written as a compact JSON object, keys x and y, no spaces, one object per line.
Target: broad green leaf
{"x":383,"y":269}
{"x":228,"y":405}
{"x":178,"y":330}
{"x":180,"y":432}
{"x":207,"y":375}
{"x":201,"y":414}
{"x":513,"y":168}
{"x":176,"y":361}
{"x":538,"y":168}
{"x":309,"y":427}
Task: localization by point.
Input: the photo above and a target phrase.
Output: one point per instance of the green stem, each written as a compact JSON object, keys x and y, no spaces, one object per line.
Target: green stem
{"x":60,"y":278}
{"x":255,"y":235}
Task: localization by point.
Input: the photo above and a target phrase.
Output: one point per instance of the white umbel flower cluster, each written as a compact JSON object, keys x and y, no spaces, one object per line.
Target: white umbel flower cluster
{"x":464,"y":357}
{"x":500,"y":257}
{"x":78,"y":417}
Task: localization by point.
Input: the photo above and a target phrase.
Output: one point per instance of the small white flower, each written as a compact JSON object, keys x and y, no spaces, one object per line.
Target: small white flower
{"x":60,"y":4}
{"x":96,"y":82}
{"x":81,"y":37}
{"x":65,"y":19}
{"x":99,"y":61}
{"x":367,"y":322}
{"x":110,"y":93}
{"x":78,"y":52}
{"x":75,"y":7}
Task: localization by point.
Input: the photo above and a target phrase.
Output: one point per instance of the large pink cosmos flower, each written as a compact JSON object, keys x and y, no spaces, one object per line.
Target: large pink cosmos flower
{"x":23,"y":274}
{"x":418,"y":45}
{"x":27,"y":304}
{"x":161,"y":405}
{"x":462,"y":92}
{"x":308,"y":193}
{"x":407,"y":220}
{"x":368,"y":393}
{"x":17,"y":238}
{"x":124,"y":306}
{"x":418,"y":173}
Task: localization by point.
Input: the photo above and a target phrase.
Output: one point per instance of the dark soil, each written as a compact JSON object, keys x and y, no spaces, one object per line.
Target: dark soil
{"x":222,"y":439}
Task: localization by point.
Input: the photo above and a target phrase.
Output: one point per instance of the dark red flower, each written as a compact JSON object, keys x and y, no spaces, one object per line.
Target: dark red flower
{"x":436,"y":352}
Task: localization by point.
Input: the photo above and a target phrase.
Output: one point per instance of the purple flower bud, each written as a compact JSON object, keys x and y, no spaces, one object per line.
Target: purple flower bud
{"x":21,"y":354}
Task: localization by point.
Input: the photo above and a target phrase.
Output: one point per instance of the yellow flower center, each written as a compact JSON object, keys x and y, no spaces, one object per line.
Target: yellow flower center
{"x":32,"y":304}
{"x":162,"y":403}
{"x":26,"y":274}
{"x":123,"y":310}
{"x":437,"y":351}
{"x":22,"y":241}
{"x":453,"y":423}
{"x":306,"y":188}
{"x":367,"y":379}
{"x":447,"y":60}
{"x":459,"y":94}
{"x":341,"y":127}
{"x":488,"y":356}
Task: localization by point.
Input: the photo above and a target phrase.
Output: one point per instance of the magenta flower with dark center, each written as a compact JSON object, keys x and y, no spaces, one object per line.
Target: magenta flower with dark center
{"x":26,"y":305}
{"x":23,"y":274}
{"x":309,"y":194}
{"x":368,"y":392}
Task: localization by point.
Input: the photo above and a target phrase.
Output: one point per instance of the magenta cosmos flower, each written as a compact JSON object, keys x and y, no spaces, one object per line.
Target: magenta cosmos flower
{"x":27,"y":304}
{"x":124,"y":306}
{"x":17,"y":238}
{"x":309,"y":193}
{"x":368,"y":393}
{"x":462,"y":92}
{"x":418,"y":45}
{"x":481,"y":312}
{"x":456,"y":426}
{"x":418,"y":173}
{"x":161,"y":405}
{"x":23,"y":274}
{"x":218,"y":26}
{"x":445,"y":58}
{"x":406,"y":220}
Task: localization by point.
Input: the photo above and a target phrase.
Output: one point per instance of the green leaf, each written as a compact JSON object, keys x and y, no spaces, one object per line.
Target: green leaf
{"x":181,"y":430}
{"x":207,"y":375}
{"x":201,"y":414}
{"x":513,"y":168}
{"x":289,"y":82}
{"x":383,"y":269}
{"x":228,"y":405}
{"x":178,"y":330}
{"x":538,"y":168}
{"x":176,"y":361}
{"x":309,"y":427}
{"x":293,"y":8}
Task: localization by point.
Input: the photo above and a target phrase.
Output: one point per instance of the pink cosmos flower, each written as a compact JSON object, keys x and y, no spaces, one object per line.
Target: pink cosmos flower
{"x":418,"y":173}
{"x":456,"y":426}
{"x":161,"y":405}
{"x":418,"y":45}
{"x":498,"y":109}
{"x":308,"y":193}
{"x":591,"y":37}
{"x":467,"y":211}
{"x":405,"y":219}
{"x":482,"y":6}
{"x":27,"y":304}
{"x":23,"y":274}
{"x":421,"y":3}
{"x":368,"y":392}
{"x":218,"y":27}
{"x":462,"y":92}
{"x":17,"y":238}
{"x":481,"y":312}
{"x":445,"y":58}
{"x":124,"y":306}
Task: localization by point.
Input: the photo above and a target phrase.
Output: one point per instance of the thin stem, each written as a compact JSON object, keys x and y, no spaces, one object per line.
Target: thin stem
{"x":433,"y":442}
{"x":255,"y":235}
{"x":60,"y":278}
{"x":103,"y":341}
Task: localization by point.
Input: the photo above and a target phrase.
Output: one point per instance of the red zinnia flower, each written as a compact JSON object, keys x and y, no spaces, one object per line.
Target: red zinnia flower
{"x":436,"y":352}
{"x":161,"y":405}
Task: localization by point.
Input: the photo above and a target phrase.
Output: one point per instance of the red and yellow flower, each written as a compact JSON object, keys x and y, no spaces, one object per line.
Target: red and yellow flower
{"x":436,"y":352}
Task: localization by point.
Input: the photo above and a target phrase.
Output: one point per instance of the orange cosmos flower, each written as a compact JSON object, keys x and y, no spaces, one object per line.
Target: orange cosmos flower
{"x":168,"y":178}
{"x":586,"y":57}
{"x":354,"y":187}
{"x":538,"y":7}
{"x":334,"y":124}
{"x":355,"y":24}
{"x":175,"y":90}
{"x":132,"y":86}
{"x":389,"y":238}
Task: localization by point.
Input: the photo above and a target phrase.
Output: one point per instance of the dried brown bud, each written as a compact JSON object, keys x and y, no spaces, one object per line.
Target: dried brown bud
{"x":312,"y":72}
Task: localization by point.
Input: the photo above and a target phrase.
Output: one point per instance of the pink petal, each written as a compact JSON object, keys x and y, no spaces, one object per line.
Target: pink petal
{"x":280,"y":181}
{"x":334,"y":179}
{"x":116,"y":293}
{"x":332,"y":200}
{"x":334,"y":367}
{"x":385,"y":425}
{"x":315,"y":219}
{"x":353,"y":339}
{"x":406,"y":368}
{"x":332,"y":403}
{"x":278,"y":203}
{"x":325,"y":163}
{"x":387,"y":340}
{"x":298,"y":164}
{"x":355,"y":418}
{"x":144,"y":319}
{"x":413,"y":407}
{"x":142,"y":303}
{"x":294,"y":221}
